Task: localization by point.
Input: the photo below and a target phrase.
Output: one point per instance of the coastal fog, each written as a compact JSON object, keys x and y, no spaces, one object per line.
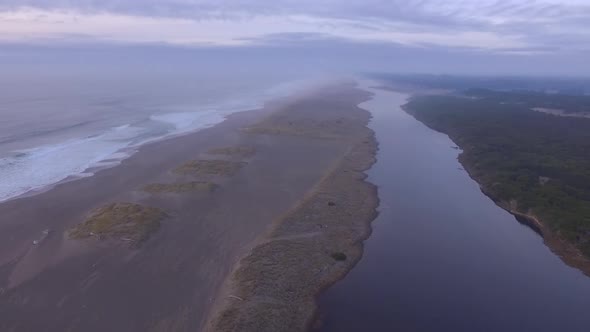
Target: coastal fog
{"x":294,"y":166}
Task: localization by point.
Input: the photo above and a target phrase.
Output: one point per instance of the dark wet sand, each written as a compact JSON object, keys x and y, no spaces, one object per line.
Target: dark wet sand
{"x":170,"y":282}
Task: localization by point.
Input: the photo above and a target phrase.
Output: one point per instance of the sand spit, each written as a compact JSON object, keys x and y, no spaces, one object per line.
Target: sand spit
{"x":298,"y":120}
{"x":312,"y":246}
{"x":129,"y":222}
{"x":172,"y":281}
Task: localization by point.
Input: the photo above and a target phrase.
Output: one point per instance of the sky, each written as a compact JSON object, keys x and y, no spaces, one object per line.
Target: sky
{"x":464,"y":36}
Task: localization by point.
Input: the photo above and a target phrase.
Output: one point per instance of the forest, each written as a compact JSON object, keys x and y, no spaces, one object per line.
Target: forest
{"x":539,"y":163}
{"x":457,"y":83}
{"x":531,"y":99}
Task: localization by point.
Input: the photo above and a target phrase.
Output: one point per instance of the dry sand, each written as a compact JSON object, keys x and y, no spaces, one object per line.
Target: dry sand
{"x":314,"y":244}
{"x":170,"y":282}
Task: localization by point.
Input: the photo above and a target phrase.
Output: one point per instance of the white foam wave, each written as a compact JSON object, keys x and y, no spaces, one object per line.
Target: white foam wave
{"x":188,"y":121}
{"x":29,"y":170}
{"x":35,"y":168}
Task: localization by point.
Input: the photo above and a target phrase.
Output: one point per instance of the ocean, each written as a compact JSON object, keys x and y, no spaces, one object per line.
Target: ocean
{"x":60,"y":126}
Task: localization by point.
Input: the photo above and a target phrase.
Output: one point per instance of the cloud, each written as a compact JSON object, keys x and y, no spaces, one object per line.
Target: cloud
{"x":524,"y":27}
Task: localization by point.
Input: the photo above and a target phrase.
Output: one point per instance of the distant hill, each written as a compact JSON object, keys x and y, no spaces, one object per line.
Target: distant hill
{"x":571,"y":86}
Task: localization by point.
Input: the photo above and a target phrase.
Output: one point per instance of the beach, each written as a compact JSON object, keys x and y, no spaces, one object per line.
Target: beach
{"x":566,"y":251}
{"x":154,"y":244}
{"x":314,"y":244}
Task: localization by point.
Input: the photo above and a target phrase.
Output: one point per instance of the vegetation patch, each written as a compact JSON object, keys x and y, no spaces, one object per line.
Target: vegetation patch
{"x":177,"y":188}
{"x":275,"y":286}
{"x":210,"y":167}
{"x":123,"y":221}
{"x":339,"y":256}
{"x":306,"y":131}
{"x":238,"y":151}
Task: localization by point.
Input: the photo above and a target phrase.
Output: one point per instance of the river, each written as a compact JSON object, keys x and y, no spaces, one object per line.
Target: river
{"x":442,"y":255}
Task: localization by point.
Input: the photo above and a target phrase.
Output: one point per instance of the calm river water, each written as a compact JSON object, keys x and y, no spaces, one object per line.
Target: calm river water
{"x":443,"y":256}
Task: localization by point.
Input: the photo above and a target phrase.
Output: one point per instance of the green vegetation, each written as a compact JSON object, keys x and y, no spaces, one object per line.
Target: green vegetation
{"x":303,"y":124}
{"x":527,"y":161}
{"x":274,"y":287}
{"x":312,"y":130}
{"x":123,"y":221}
{"x":210,"y":167}
{"x":177,"y":188}
{"x":339,"y":256}
{"x":570,"y":86}
{"x":238,"y":151}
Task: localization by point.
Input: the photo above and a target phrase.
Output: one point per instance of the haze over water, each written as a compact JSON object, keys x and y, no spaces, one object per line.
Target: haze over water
{"x":58,"y":124}
{"x":84,"y":84}
{"x":442,"y":255}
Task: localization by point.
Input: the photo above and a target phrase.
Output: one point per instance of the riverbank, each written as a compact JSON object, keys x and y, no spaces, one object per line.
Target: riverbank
{"x":146,"y":245}
{"x":564,"y":249}
{"x":442,"y":256}
{"x":567,"y":252}
{"x":274,"y":287}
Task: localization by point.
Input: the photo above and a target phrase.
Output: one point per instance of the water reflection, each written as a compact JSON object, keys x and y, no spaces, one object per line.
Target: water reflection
{"x":443,"y":256}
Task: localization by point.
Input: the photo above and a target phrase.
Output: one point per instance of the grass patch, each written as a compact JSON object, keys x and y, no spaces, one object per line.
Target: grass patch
{"x":239,"y":151}
{"x":177,"y":188}
{"x":292,"y":131}
{"x":338,"y":256}
{"x":210,"y":167}
{"x":123,"y":221}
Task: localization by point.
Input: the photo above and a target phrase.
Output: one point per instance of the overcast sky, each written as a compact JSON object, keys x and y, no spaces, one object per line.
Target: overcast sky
{"x":536,"y":32}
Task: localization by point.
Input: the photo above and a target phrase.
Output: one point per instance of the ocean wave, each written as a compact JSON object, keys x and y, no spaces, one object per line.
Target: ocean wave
{"x":35,"y":168}
{"x":32,"y":169}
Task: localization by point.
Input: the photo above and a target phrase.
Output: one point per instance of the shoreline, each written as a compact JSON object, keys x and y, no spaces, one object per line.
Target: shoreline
{"x":128,"y":151}
{"x":261,"y":164}
{"x":307,"y":250}
{"x":299,"y":89}
{"x":568,"y":253}
{"x":315,"y":320}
